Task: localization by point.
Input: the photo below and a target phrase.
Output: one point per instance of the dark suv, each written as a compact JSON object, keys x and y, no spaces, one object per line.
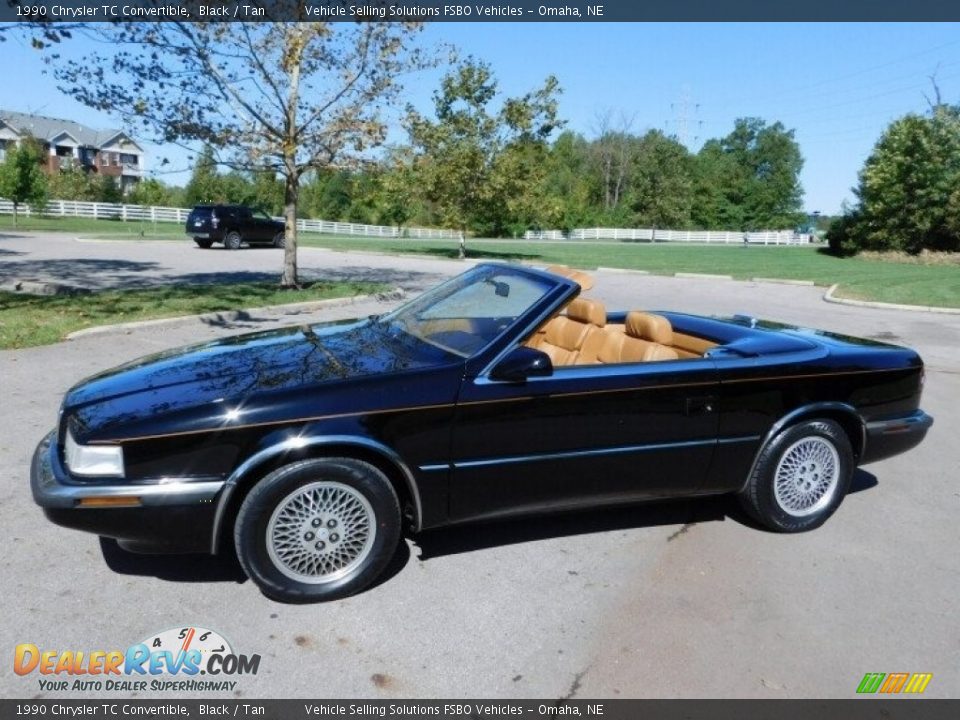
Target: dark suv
{"x":233,"y":225}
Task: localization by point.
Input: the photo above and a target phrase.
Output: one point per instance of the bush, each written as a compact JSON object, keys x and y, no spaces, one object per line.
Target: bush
{"x":908,"y":199}
{"x":840,"y":240}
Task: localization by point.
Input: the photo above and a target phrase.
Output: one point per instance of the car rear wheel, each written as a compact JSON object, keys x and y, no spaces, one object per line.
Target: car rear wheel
{"x":280,"y":240}
{"x":801,"y":477}
{"x":232,"y":240}
{"x":203,"y":243}
{"x":318,"y":529}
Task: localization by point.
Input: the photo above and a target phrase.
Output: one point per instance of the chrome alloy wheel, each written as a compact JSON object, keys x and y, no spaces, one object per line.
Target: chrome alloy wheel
{"x":321,"y":532}
{"x":807,"y":476}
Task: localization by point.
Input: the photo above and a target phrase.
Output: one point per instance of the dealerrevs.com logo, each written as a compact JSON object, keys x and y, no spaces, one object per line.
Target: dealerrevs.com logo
{"x":173,"y":661}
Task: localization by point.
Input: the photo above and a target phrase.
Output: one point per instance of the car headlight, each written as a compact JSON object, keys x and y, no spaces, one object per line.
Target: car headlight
{"x":100,"y":460}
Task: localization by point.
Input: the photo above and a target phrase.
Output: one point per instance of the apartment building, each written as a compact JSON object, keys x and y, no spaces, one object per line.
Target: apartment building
{"x":69,"y":144}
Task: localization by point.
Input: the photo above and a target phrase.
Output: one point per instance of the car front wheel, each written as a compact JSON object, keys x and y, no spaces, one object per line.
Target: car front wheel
{"x":801,"y":477}
{"x":318,"y":529}
{"x":232,"y":240}
{"x":203,"y":243}
{"x":280,"y":240}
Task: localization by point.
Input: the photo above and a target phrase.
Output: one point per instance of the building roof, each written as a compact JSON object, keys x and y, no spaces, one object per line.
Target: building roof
{"x":47,"y":128}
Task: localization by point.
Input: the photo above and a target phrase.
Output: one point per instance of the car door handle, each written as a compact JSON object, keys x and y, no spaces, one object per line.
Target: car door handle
{"x":699,"y":405}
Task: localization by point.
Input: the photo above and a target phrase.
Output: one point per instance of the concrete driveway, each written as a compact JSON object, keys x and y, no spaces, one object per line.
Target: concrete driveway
{"x":678,"y":599}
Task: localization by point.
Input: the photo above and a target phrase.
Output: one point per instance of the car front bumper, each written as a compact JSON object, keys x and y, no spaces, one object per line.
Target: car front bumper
{"x":889,"y":437}
{"x":172,"y":515}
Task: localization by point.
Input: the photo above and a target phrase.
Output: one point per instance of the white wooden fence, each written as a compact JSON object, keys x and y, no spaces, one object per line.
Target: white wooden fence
{"x":141,"y":213}
{"x":762,"y":237}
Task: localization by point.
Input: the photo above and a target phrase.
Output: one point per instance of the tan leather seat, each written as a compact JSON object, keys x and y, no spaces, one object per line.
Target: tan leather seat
{"x":565,"y":335}
{"x":690,"y":346}
{"x":645,"y":338}
{"x":584,"y":280}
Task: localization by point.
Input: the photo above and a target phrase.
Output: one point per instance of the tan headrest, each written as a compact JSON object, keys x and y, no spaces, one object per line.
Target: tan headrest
{"x":582,"y":279}
{"x":645,"y":326}
{"x":588,"y":311}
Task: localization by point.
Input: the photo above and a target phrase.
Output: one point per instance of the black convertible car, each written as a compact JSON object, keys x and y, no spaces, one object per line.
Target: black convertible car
{"x":500,"y":392}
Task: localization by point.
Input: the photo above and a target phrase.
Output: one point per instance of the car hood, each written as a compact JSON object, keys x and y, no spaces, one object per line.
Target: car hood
{"x":239,"y":369}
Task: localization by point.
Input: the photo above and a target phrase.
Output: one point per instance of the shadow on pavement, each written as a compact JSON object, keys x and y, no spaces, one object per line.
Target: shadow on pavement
{"x":862,"y":480}
{"x":176,"y":568}
{"x":480,"y":536}
{"x":206,"y":568}
{"x":467,"y":538}
{"x":88,"y":273}
{"x":408,"y":280}
{"x":102,"y":274}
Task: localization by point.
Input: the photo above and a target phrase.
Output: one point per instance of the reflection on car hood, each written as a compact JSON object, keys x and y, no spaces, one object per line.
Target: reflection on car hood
{"x":242,"y":367}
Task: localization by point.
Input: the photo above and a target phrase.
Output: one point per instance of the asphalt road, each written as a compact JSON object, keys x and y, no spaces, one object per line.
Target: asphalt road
{"x":678,"y":599}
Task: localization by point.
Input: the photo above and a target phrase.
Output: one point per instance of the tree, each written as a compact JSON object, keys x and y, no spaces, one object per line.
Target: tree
{"x":398,"y":196}
{"x":267,"y":191}
{"x":107,"y":189}
{"x":21,"y":178}
{"x":908,"y":190}
{"x":661,"y":189}
{"x":718,"y":188}
{"x":750,"y":178}
{"x":71,"y":183}
{"x":567,"y":201}
{"x":612,"y":158}
{"x":328,"y":194}
{"x":288,"y":96}
{"x":152,"y":192}
{"x":470,"y":157}
{"x":204,"y":185}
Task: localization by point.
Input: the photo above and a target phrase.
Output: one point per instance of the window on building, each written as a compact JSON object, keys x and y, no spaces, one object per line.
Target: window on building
{"x":128,"y":159}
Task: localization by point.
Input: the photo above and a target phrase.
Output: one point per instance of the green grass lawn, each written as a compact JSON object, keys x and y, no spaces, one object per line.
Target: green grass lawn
{"x":28,"y":320}
{"x":107,"y":228}
{"x":858,"y":278}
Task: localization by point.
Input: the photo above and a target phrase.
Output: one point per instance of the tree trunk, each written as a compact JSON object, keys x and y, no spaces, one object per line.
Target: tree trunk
{"x":15,"y":206}
{"x":291,"y":189}
{"x":291,"y":192}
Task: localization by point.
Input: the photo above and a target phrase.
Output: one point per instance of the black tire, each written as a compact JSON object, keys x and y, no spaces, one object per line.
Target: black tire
{"x":280,"y":240}
{"x":800,"y":455}
{"x":371,"y":502}
{"x":232,"y":240}
{"x":204,"y":243}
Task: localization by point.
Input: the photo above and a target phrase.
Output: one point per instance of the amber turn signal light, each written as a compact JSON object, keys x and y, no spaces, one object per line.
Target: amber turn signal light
{"x":94,"y":502}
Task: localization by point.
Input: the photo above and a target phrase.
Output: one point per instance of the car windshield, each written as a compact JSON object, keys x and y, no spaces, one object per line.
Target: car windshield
{"x":467,"y":313}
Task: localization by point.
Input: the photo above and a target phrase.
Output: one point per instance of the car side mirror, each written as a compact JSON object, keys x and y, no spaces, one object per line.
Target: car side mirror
{"x":522,"y":363}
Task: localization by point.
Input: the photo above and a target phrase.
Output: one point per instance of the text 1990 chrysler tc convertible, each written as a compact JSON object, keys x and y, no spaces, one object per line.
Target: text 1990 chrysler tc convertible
{"x":497,"y":393}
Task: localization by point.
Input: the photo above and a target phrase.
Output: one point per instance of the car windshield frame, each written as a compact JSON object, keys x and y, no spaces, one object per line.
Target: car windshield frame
{"x":489,"y":282}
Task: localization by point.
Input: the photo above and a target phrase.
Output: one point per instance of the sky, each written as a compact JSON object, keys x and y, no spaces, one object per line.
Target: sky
{"x":837,"y":85}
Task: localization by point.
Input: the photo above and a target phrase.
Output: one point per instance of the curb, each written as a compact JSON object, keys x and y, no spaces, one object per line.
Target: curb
{"x":784,"y":281}
{"x":828,"y":297}
{"x":708,"y":276}
{"x":625,"y":271}
{"x":234,"y":315}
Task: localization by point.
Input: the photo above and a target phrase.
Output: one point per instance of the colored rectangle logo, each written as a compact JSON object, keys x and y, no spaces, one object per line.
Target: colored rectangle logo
{"x":894,"y":683}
